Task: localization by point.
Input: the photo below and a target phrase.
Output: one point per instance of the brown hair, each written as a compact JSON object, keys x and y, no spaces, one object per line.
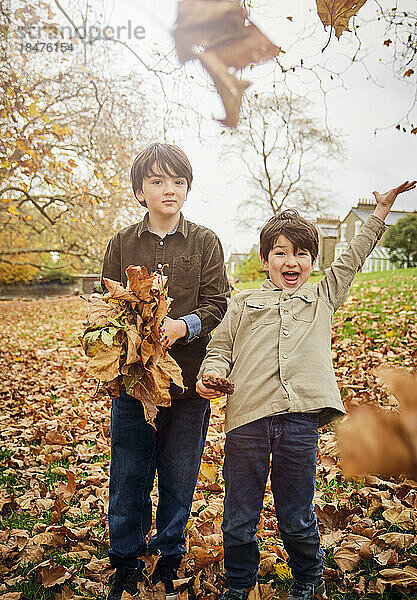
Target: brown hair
{"x":167,"y":158}
{"x":302,"y":234}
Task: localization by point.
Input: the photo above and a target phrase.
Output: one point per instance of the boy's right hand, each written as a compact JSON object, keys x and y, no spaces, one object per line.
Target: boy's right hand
{"x":206,"y":392}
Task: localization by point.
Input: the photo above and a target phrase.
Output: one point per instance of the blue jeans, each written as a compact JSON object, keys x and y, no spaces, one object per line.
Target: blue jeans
{"x":292,"y":440}
{"x":138,"y":451}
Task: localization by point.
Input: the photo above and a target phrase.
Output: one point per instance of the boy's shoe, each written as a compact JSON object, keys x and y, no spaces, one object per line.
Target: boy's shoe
{"x":233,"y":594}
{"x":306,"y":591}
{"x":124,"y":578}
{"x":166,"y":571}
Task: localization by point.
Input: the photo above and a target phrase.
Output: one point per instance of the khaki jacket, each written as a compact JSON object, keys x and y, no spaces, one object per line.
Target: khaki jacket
{"x":275,"y":345}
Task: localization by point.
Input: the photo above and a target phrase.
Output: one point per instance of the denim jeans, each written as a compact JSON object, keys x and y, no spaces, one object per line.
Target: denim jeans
{"x":173,"y":450}
{"x":292,"y":440}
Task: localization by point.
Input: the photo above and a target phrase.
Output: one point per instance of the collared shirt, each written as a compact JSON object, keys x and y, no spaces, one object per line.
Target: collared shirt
{"x":192,"y":259}
{"x":192,"y":321}
{"x":275,"y":345}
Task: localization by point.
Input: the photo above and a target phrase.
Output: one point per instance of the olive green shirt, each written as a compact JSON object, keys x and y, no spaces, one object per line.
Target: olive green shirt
{"x":275,"y":345}
{"x":192,"y":258}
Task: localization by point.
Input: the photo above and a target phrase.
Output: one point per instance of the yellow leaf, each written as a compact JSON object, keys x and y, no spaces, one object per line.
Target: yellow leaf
{"x":282,"y":570}
{"x":407,"y":307}
{"x":208,"y":471}
{"x":6,"y":200}
{"x":56,"y":128}
{"x":22,"y":146}
{"x":45,"y":118}
{"x":33,"y":110}
{"x":390,"y":333}
{"x":12,"y":209}
{"x":28,"y":218}
{"x":72,"y":163}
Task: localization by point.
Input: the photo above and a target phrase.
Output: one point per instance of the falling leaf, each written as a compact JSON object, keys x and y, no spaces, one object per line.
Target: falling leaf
{"x":220,"y":36}
{"x":408,"y":73}
{"x":387,"y":42}
{"x":363,"y":439}
{"x":337,"y":14}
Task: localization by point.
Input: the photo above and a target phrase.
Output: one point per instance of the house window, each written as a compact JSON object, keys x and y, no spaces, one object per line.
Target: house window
{"x":343,"y":228}
{"x":358,"y":225}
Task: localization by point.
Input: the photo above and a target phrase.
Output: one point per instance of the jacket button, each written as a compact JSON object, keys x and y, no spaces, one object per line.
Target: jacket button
{"x":285,"y":332}
{"x":285,"y":382}
{"x":284,"y":356}
{"x":159,"y":265}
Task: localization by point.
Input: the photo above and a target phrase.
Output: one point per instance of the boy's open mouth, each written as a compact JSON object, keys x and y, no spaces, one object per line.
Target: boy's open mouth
{"x":291,"y":277}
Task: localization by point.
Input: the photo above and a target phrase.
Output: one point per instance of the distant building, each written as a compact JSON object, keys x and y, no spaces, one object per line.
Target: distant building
{"x":328,"y":228}
{"x":234,"y":261}
{"x":378,"y":260}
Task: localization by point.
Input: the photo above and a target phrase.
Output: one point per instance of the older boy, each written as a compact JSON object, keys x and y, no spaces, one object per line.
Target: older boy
{"x":192,"y":258}
{"x":275,"y":344}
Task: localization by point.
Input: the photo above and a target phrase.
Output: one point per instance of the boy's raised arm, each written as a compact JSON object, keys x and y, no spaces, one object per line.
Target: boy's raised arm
{"x":339,"y":276}
{"x":385,"y":201}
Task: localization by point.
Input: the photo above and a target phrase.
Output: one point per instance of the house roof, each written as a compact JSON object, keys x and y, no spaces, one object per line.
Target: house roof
{"x":393,"y":216}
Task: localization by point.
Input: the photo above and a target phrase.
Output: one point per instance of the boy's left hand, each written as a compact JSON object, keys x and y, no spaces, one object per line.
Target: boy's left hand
{"x":172,"y":330}
{"x":385,"y":201}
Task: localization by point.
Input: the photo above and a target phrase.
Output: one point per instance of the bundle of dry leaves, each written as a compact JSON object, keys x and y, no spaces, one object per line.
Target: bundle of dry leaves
{"x":122,"y":340}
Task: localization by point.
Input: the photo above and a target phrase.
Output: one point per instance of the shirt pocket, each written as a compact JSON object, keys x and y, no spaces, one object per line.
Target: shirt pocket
{"x":303,"y":310}
{"x":186,"y":271}
{"x":260,"y":313}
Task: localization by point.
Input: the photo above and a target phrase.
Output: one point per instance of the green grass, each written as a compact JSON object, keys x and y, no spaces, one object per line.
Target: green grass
{"x":392,"y":278}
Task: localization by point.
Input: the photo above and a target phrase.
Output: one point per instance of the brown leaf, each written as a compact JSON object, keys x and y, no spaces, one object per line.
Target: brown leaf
{"x":52,"y":574}
{"x":226,"y":39}
{"x":140,"y":282}
{"x":230,"y":89}
{"x":105,"y":364}
{"x":54,"y":437}
{"x":337,"y":13}
{"x":405,"y":578}
{"x":399,"y":541}
{"x":118,"y":292}
{"x":346,"y":558}
{"x":363,"y":438}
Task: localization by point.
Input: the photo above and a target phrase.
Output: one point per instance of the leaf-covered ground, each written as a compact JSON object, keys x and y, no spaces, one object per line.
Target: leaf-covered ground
{"x":54,"y":463}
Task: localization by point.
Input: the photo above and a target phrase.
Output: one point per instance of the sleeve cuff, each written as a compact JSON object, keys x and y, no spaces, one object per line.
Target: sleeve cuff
{"x":193,"y":323}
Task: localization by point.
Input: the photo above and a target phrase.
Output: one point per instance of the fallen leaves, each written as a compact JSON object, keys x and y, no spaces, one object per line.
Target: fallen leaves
{"x":55,"y":439}
{"x":220,"y":35}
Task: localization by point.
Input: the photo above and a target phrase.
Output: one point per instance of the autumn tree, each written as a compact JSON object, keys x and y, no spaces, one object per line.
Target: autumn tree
{"x":401,"y":239}
{"x":281,"y":146}
{"x":250,"y":269}
{"x":69,"y":134}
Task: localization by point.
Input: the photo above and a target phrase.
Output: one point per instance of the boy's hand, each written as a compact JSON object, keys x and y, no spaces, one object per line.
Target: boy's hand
{"x":385,"y":201}
{"x":172,"y":330}
{"x":206,"y":392}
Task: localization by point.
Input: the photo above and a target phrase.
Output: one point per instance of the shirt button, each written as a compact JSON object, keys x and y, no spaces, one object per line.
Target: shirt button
{"x":285,"y":332}
{"x":161,"y":243}
{"x":159,"y":265}
{"x":285,"y":382}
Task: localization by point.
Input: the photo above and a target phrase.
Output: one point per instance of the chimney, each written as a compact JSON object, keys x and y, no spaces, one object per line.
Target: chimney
{"x":366,"y":203}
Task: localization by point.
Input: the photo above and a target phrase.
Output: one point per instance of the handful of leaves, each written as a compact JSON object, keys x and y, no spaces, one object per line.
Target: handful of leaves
{"x":122,"y":340}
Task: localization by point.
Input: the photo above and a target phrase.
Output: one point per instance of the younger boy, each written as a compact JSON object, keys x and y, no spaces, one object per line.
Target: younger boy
{"x":192,"y":258}
{"x":275,"y":343}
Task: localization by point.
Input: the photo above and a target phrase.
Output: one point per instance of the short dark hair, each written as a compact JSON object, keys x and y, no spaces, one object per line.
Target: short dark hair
{"x":302,"y":234}
{"x":168,"y":158}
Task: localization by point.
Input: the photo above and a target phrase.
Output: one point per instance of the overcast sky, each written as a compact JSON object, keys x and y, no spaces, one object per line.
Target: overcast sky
{"x":372,"y":161}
